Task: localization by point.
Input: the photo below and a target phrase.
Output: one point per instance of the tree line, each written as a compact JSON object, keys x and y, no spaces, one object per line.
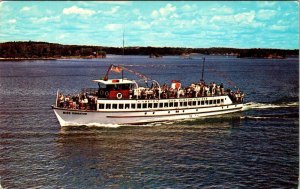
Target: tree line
{"x":32,"y":49}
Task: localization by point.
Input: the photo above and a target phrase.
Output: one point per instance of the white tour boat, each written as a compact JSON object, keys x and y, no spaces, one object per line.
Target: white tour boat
{"x":124,"y":102}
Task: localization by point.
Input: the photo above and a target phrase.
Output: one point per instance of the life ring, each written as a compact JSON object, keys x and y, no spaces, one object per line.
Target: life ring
{"x":106,"y":93}
{"x":119,"y":96}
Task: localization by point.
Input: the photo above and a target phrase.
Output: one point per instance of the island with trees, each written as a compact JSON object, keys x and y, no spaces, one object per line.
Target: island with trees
{"x":44,"y":50}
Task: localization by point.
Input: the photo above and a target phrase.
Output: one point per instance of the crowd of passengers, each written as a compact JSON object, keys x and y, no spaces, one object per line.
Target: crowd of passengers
{"x":89,"y":101}
{"x":194,"y":90}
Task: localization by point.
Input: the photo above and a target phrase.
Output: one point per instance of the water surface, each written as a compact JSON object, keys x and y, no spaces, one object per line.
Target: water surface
{"x":257,"y":148}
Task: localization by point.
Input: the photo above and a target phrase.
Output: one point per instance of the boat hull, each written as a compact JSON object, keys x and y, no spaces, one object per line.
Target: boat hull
{"x":70,"y":117}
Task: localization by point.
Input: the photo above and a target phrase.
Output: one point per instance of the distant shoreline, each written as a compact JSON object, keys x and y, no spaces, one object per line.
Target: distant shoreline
{"x":18,"y":51}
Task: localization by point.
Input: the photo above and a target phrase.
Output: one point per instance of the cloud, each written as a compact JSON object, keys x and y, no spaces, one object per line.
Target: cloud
{"x":222,"y":10}
{"x":266,"y":3}
{"x":112,"y":11}
{"x":78,"y":10}
{"x":24,"y":9}
{"x":167,"y":10}
{"x":12,"y":21}
{"x":141,"y":24}
{"x":113,"y":27}
{"x":164,"y":11}
{"x":265,"y":14}
{"x":188,"y":8}
{"x":46,"y":19}
{"x":278,"y":27}
{"x":245,"y":17}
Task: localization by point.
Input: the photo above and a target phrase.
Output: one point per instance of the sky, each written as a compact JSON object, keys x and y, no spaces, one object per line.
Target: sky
{"x":195,"y":24}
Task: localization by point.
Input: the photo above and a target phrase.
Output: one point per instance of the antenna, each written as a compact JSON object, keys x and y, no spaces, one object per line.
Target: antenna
{"x":203,"y":68}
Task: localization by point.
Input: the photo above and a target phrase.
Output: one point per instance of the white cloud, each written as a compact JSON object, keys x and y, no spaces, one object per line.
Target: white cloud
{"x":278,"y":27}
{"x":164,"y":11}
{"x":155,"y":14}
{"x":167,"y":10}
{"x":46,"y":19}
{"x":266,"y":3}
{"x":188,"y":8}
{"x":12,"y":21}
{"x":112,"y":11}
{"x":78,"y":10}
{"x":24,"y":9}
{"x":245,"y":17}
{"x":222,"y":10}
{"x":62,"y":36}
{"x":113,"y":27}
{"x":141,"y":24}
{"x":136,"y":12}
{"x":265,"y":14}
{"x":115,"y":2}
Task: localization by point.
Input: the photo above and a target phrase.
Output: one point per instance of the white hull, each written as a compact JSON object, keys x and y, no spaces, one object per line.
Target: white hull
{"x":67,"y":117}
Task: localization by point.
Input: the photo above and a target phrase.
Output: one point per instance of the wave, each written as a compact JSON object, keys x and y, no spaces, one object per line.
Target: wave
{"x":257,"y":105}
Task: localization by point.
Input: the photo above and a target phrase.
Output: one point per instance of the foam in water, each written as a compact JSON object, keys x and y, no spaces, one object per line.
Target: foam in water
{"x":256,"y":105}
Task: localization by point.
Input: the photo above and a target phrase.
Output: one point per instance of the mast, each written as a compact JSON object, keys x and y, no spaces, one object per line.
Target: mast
{"x":203,"y":68}
{"x":123,"y":56}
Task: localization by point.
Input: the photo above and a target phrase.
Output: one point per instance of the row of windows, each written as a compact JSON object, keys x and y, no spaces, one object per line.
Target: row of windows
{"x":160,"y":105}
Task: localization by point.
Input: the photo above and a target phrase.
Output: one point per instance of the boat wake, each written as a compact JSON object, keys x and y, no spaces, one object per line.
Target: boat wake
{"x":256,"y":105}
{"x":74,"y":125}
{"x":269,"y":116}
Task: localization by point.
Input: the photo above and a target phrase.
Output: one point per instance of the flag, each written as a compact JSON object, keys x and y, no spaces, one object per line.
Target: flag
{"x":116,"y":69}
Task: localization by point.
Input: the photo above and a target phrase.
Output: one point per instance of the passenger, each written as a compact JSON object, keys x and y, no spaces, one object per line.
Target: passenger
{"x":222,"y":89}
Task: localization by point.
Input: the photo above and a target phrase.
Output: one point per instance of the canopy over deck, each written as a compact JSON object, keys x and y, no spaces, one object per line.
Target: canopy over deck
{"x":114,"y":81}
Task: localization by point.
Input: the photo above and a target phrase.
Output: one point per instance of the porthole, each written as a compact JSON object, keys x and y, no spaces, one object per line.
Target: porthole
{"x":145,"y":113}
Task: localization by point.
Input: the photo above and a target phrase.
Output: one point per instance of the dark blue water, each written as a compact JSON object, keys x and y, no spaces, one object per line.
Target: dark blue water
{"x":257,"y":148}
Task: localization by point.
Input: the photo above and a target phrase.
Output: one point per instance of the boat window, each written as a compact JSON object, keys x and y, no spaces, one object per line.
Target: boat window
{"x":206,"y":102}
{"x":132,"y":106}
{"x":215,"y":101}
{"x":121,"y":106}
{"x":194,"y":103}
{"x":210,"y":101}
{"x":166,"y":104}
{"x":115,"y":106}
{"x":108,"y":106}
{"x":149,"y":105}
{"x":218,"y":101}
{"x":144,"y":105}
{"x":184,"y":103}
{"x":101,"y":106}
{"x":171,"y":104}
{"x":190,"y":103}
{"x":139,"y":106}
{"x":222,"y":100}
{"x":181,"y":103}
{"x":199,"y":103}
{"x":175,"y":104}
{"x":126,"y":106}
{"x":202,"y":102}
{"x":155,"y":105}
{"x":161,"y":105}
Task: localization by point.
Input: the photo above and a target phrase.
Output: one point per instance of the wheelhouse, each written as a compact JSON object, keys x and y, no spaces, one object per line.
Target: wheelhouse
{"x":116,"y":88}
